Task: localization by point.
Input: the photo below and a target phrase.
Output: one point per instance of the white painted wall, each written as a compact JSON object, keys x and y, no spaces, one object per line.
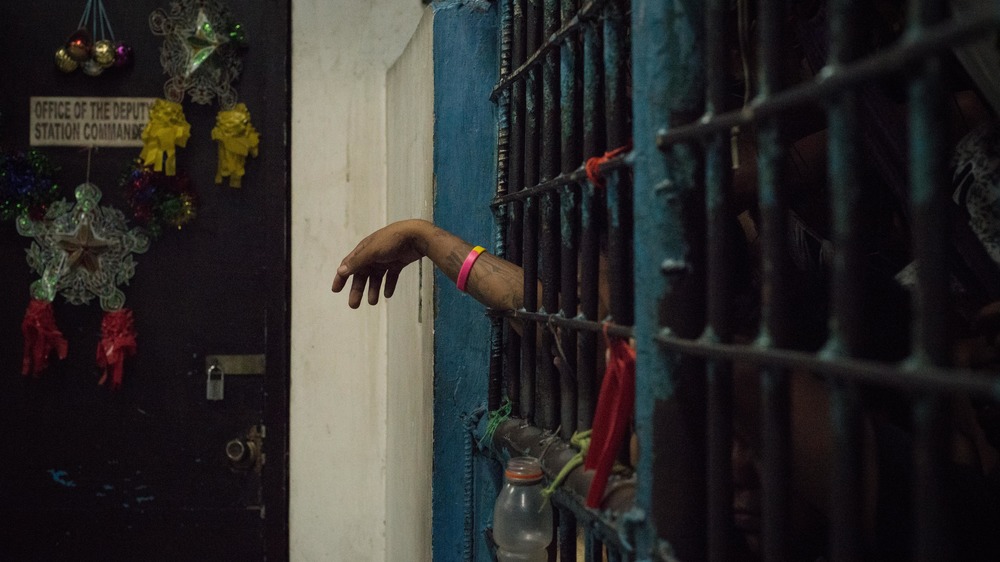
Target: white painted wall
{"x":410,"y":312}
{"x":339,"y":506}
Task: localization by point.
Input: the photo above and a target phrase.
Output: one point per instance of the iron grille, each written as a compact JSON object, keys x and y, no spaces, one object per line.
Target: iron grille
{"x":569,"y":75}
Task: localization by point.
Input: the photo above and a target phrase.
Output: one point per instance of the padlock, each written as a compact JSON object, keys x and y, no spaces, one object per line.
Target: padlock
{"x":214,"y":385}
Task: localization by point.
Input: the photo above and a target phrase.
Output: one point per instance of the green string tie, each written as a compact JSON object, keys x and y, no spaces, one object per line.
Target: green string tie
{"x":581,"y":441}
{"x":496,"y":418}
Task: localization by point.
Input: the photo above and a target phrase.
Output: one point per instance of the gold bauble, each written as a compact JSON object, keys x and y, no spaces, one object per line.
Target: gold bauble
{"x":64,"y":62}
{"x":104,"y":53}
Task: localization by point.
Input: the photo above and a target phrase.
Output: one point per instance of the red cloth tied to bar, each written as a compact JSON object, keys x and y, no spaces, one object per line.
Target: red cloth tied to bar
{"x":593,"y":165}
{"x":117,"y":343}
{"x":615,"y":404}
{"x":41,"y":337}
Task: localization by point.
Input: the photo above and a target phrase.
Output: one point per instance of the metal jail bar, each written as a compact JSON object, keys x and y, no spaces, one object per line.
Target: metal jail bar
{"x":835,"y":88}
{"x":551,"y":217}
{"x":683,"y":504}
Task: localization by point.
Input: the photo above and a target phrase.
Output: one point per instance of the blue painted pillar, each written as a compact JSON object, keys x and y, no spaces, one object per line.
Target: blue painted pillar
{"x":465,"y":70}
{"x":668,"y":89}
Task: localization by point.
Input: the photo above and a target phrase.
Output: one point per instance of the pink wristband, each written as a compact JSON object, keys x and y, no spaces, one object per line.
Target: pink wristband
{"x":463,"y":274}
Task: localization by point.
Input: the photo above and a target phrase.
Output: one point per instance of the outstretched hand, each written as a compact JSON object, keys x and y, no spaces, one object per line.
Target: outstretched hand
{"x":379,"y":258}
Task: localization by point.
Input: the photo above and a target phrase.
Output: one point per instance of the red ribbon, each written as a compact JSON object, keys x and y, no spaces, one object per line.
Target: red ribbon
{"x":593,"y":165}
{"x":117,"y":343}
{"x":611,"y":419}
{"x":41,"y":337}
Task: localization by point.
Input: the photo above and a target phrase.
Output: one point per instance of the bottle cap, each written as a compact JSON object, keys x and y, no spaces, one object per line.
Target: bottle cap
{"x":523,"y":469}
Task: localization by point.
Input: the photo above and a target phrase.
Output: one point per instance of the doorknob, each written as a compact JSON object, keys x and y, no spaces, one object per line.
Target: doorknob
{"x":245,"y":453}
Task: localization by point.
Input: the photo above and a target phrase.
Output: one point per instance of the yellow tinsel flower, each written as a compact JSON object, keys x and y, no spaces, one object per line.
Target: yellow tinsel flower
{"x":237,"y":139}
{"x":166,"y":130}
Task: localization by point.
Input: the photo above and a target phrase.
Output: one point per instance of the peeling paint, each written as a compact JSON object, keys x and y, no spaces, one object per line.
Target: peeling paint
{"x":478,"y":5}
{"x":59,"y":477}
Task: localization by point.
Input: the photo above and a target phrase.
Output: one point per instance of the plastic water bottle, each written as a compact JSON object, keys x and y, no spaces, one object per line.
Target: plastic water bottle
{"x":522,"y":517}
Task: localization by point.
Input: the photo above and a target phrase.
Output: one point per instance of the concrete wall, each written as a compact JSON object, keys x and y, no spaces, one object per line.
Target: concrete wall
{"x":410,"y":312}
{"x":341,"y":52}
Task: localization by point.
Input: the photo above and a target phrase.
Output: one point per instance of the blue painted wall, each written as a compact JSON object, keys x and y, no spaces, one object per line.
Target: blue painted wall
{"x":465,"y":70}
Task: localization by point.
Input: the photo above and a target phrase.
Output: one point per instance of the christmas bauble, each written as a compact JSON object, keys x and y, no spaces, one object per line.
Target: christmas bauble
{"x":104,"y":53}
{"x":78,"y":45}
{"x":91,"y":67}
{"x":123,"y":54}
{"x":64,"y":62}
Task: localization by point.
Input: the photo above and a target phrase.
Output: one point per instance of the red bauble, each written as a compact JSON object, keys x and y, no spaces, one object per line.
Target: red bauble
{"x":78,"y":45}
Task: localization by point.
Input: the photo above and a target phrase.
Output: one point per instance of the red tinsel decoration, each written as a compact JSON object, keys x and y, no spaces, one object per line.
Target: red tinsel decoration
{"x":611,"y":418}
{"x":41,"y":337}
{"x":117,"y":343}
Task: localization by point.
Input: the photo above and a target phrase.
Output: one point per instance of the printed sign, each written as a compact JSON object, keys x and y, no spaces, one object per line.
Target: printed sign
{"x":71,"y":121}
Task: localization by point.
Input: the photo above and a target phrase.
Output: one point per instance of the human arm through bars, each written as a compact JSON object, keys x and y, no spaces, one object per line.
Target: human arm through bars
{"x":380,"y":256}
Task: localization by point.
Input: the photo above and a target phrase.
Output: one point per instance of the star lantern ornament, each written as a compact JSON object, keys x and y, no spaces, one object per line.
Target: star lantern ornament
{"x":201,"y":51}
{"x":83,"y":251}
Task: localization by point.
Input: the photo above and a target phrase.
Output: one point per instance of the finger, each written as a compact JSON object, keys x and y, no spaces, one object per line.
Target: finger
{"x":340,"y":279}
{"x":374,"y":284}
{"x":357,"y":290}
{"x":391,"y":277}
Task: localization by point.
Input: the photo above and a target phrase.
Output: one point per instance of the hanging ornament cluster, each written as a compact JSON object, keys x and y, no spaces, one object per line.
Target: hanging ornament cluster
{"x":93,"y":54}
{"x":158,"y":201}
{"x":83,"y":251}
{"x":201,"y":51}
{"x":26,"y":184}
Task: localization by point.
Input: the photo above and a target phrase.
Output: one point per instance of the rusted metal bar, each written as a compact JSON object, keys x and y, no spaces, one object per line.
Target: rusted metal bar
{"x":570,"y":67}
{"x":902,"y":376}
{"x":590,"y":206}
{"x":548,"y":378}
{"x":590,"y":12}
{"x":774,"y":382}
{"x":515,"y":209}
{"x":846,"y":326}
{"x":718,"y":214}
{"x":831,"y":81}
{"x":618,"y":110}
{"x":529,"y":342}
{"x":620,"y":162}
{"x":578,"y":324}
{"x":500,"y":215}
{"x":931,"y":341}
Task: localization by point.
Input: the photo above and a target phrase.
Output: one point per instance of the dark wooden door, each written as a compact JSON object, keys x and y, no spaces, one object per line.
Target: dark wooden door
{"x":141,"y":473}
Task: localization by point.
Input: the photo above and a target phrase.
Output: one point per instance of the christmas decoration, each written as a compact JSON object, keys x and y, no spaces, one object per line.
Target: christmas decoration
{"x":41,"y":337}
{"x":26,"y":184}
{"x":81,"y":250}
{"x":117,"y":343}
{"x":237,"y":139}
{"x":159,"y":201}
{"x":166,"y":130}
{"x":93,"y":57}
{"x":200,"y":52}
